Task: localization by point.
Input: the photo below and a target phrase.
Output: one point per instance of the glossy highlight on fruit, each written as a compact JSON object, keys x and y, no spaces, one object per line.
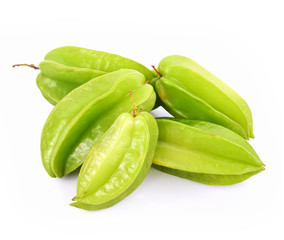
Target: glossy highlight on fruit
{"x":118,"y":162}
{"x":83,"y":115}
{"x":66,"y":68}
{"x":189,"y":91}
{"x":204,"y":152}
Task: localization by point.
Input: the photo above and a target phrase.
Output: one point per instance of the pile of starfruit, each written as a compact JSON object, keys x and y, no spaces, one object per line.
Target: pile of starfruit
{"x":101,"y":124}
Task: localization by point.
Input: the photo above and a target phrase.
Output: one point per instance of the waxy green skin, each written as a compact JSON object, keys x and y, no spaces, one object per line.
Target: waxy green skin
{"x":83,"y":115}
{"x":118,"y":162}
{"x":66,"y":68}
{"x":189,"y":91}
{"x":204,"y":152}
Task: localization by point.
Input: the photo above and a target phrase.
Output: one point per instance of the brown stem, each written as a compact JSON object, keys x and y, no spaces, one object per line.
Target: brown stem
{"x":135,"y":109}
{"x":28,"y":65}
{"x":157,"y":71}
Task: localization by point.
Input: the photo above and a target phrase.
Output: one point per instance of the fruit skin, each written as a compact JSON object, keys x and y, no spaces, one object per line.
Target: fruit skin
{"x":189,"y":91}
{"x":83,"y":115}
{"x":66,"y":68}
{"x":204,"y":152}
{"x":118,"y":163}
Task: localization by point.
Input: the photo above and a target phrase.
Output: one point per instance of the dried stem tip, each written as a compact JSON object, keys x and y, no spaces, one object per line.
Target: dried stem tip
{"x":135,"y":109}
{"x":28,"y":65}
{"x":160,"y":75}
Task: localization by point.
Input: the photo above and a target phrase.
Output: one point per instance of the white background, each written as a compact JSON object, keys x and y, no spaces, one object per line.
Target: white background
{"x":239,"y":41}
